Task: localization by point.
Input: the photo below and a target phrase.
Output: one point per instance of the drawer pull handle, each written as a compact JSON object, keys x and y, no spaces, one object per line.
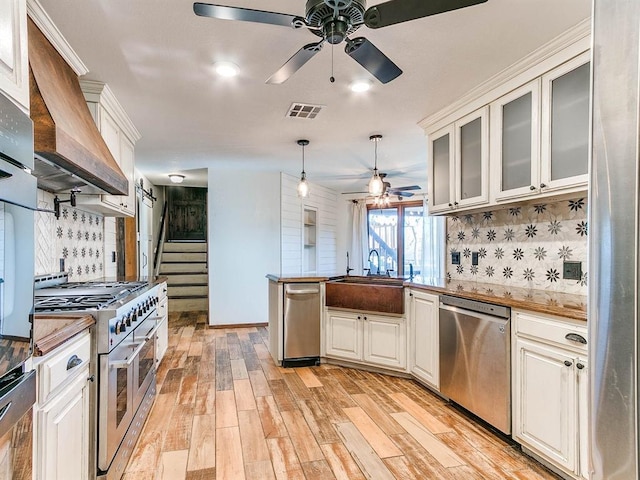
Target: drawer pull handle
{"x":579,"y":366}
{"x":567,"y":363}
{"x":73,"y":362}
{"x":574,"y":337}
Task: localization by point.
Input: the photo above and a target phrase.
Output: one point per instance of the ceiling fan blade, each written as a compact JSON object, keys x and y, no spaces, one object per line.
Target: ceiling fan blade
{"x":402,"y":194}
{"x":398,"y":11}
{"x":353,"y":193}
{"x":404,"y":189}
{"x":296,"y":62}
{"x":247,"y":15}
{"x":372,"y":59}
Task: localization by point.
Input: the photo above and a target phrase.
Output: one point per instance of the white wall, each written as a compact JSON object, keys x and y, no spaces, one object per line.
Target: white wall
{"x":331,"y":231}
{"x":244,"y":244}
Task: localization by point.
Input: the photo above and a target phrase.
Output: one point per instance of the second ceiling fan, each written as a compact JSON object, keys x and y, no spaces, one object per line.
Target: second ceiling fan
{"x":333,"y":21}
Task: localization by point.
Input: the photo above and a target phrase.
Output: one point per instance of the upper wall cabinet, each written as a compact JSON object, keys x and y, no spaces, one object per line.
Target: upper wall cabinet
{"x":540,"y":134}
{"x":120,"y":135}
{"x":460,"y":163}
{"x":14,"y":65}
{"x":521,"y":135}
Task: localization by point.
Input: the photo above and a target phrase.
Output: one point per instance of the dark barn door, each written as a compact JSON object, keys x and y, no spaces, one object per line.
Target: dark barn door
{"x":187,"y":215}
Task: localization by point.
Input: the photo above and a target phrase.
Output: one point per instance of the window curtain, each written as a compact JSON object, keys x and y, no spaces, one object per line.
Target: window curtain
{"x":359,"y":237}
{"x":434,"y":245}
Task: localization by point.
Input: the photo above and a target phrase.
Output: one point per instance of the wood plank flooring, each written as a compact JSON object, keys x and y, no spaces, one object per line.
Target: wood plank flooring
{"x":225,"y":411}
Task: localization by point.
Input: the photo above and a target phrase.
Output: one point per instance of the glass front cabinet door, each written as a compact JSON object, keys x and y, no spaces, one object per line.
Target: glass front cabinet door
{"x":458,"y":172}
{"x":441,"y":185}
{"x":515,"y":142}
{"x":565,"y":125}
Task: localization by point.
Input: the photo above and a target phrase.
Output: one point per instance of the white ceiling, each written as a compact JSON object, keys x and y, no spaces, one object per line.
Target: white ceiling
{"x":157,"y":55}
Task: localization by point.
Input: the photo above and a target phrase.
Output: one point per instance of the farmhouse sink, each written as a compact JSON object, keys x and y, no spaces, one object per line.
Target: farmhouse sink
{"x":371,"y":294}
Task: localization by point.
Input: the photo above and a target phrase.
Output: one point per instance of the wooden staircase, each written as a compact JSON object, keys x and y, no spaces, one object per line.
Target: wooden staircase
{"x":185,"y":266}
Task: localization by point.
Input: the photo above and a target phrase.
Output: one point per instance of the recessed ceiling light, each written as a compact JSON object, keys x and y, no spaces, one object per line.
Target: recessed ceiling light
{"x":226,"y":69}
{"x":360,"y":86}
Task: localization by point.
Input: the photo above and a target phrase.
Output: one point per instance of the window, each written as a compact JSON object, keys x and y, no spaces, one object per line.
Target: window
{"x":395,"y":233}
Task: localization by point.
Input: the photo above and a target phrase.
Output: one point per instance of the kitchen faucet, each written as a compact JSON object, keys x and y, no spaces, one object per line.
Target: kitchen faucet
{"x":373,"y":250}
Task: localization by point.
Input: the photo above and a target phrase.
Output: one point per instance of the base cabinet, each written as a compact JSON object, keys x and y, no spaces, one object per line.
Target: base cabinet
{"x":550,"y":390}
{"x":423,"y":335}
{"x":162,"y":334}
{"x":366,"y":338}
{"x":62,"y":413}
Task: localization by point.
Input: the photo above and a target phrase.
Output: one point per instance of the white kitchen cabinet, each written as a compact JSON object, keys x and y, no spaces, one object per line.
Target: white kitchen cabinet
{"x":62,"y":412}
{"x":367,"y":338}
{"x":424,"y":337}
{"x":565,"y":125}
{"x":385,"y":340}
{"x":120,"y":135}
{"x":343,"y":335}
{"x":162,"y":334}
{"x":540,"y":135}
{"x":515,"y":142}
{"x":550,"y":390}
{"x":14,"y":65}
{"x":459,"y":169}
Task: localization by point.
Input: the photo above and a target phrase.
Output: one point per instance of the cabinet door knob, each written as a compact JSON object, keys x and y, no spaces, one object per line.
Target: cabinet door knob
{"x":451,"y":205}
{"x":543,"y":185}
{"x":579,"y":366}
{"x":92,"y":378}
{"x":455,"y":203}
{"x":567,"y":363}
{"x":532,"y":188}
{"x":365,"y":318}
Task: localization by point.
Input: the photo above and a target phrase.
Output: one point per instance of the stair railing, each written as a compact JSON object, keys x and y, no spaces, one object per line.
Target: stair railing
{"x":161,"y":237}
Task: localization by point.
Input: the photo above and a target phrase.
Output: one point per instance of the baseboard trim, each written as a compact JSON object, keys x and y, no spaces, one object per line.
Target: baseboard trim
{"x":240,"y":325}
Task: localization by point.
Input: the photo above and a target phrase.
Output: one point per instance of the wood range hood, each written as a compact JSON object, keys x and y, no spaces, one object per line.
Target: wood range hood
{"x":69,"y":151}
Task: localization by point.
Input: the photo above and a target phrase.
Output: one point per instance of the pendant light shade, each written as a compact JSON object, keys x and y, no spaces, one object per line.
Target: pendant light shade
{"x":376,"y":186}
{"x":303,"y":185}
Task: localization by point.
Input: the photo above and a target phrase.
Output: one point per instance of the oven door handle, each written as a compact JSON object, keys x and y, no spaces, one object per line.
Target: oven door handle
{"x":132,"y":357}
{"x":152,"y":332}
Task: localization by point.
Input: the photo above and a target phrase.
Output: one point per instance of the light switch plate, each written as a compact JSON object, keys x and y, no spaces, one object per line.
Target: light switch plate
{"x":455,"y":258}
{"x":474,"y":258}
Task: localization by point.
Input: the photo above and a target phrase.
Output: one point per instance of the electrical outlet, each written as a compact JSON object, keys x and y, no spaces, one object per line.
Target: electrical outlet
{"x":113,"y":257}
{"x":455,"y":258}
{"x":62,"y":264}
{"x":572,"y":270}
{"x":474,"y":258}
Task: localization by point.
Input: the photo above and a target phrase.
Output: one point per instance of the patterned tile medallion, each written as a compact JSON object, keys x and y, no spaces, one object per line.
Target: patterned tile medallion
{"x":76,"y":237}
{"x":521,"y":246}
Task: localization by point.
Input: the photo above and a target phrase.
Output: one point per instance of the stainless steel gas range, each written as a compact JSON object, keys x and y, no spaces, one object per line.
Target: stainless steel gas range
{"x":127,"y":319}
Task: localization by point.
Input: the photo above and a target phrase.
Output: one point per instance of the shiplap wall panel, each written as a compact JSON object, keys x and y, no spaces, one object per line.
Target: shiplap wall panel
{"x":326,"y":202}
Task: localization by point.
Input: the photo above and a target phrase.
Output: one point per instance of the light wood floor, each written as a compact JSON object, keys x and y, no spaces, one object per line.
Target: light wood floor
{"x":225,"y":411}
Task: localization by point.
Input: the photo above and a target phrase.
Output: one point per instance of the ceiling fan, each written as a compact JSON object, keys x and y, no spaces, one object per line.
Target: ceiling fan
{"x":388,"y":190}
{"x":334,"y":21}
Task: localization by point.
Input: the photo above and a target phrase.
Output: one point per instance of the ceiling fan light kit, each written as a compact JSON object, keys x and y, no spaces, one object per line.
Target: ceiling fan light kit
{"x":303,"y":185}
{"x":176,"y":178}
{"x":334,"y":21}
{"x":360,"y":86}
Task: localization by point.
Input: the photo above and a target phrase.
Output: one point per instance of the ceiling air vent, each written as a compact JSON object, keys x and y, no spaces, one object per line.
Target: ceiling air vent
{"x":304,"y":110}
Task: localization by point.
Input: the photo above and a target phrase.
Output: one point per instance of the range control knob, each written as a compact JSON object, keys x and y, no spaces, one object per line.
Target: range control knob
{"x":140,"y":312}
{"x":127,"y":320}
{"x":134,"y":316}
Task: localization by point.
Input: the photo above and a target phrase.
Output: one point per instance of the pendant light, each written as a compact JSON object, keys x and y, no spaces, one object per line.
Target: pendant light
{"x":303,"y":185}
{"x":376,"y":186}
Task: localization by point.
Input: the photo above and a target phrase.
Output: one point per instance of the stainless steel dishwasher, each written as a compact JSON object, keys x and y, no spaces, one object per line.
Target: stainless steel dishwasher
{"x":301,"y":324}
{"x":475,"y":358}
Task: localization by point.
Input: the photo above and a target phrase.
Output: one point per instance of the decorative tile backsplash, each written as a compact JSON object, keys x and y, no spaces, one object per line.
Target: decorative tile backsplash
{"x":77,"y":237}
{"x":521,"y":246}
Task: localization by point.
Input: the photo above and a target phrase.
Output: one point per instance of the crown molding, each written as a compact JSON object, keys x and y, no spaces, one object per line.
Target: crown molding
{"x":567,"y":45}
{"x":48,"y":28}
{"x":99,"y":92}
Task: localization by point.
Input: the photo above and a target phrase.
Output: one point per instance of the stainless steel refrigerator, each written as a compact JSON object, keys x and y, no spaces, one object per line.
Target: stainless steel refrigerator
{"x":614,"y":230}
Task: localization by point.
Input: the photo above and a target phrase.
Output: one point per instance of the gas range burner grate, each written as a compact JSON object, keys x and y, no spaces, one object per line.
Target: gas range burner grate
{"x":72,"y":303}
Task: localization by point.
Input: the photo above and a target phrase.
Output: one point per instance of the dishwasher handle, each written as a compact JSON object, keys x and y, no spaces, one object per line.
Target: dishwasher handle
{"x":290,"y":293}
{"x":482,"y":316}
